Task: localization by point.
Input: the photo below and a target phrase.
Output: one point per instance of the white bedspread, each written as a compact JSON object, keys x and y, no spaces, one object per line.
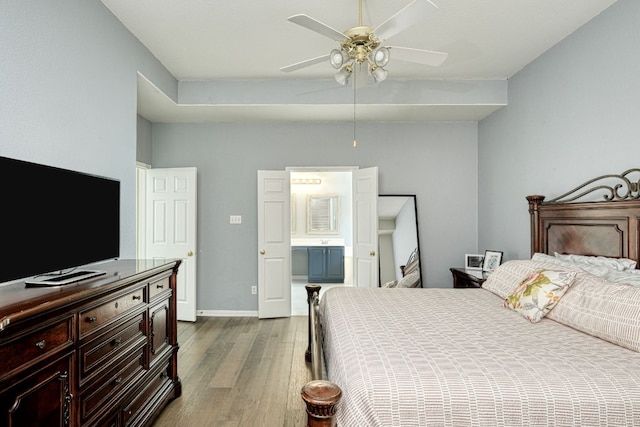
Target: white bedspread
{"x":456,"y":357}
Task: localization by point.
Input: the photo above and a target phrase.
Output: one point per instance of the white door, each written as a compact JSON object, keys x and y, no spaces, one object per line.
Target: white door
{"x":141,"y":209}
{"x":274,"y":244}
{"x":170,"y":231}
{"x":365,"y":228}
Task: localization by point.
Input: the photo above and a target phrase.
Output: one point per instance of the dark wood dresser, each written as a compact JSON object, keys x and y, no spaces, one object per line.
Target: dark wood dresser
{"x":466,"y":279}
{"x":100,"y":352}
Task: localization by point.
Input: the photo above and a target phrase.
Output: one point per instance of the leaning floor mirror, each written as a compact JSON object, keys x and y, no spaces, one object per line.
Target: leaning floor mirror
{"x":398,"y":241}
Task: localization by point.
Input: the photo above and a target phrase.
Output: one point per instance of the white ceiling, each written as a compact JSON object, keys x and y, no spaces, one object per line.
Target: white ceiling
{"x":390,"y":206}
{"x":252,"y":39}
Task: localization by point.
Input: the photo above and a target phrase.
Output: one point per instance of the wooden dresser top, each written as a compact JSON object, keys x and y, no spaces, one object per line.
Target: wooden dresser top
{"x":18,"y":301}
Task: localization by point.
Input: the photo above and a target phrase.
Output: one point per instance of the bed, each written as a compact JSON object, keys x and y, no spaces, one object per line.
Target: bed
{"x":522,"y":351}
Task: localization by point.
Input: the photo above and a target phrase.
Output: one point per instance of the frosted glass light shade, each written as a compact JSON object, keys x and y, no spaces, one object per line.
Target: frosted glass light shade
{"x":381,"y":56}
{"x":342,"y":76}
{"x":337,"y":58}
{"x":379,"y":74}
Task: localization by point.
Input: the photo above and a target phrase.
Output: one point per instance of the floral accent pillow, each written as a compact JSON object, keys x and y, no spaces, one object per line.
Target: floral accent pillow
{"x":539,"y":292}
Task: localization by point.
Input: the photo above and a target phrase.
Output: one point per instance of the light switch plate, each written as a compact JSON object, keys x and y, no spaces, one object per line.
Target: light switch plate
{"x":235,"y":219}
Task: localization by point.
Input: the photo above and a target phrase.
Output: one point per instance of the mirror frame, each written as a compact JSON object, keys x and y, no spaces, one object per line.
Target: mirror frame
{"x":415,"y":207}
{"x":334,"y":210}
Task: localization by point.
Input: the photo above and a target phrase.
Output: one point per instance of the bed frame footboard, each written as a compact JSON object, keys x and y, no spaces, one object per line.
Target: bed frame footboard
{"x":320,"y":396}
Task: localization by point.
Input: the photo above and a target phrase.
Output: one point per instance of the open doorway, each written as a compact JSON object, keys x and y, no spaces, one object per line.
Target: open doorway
{"x":321,"y":232}
{"x":166,"y":226}
{"x":359,"y":245}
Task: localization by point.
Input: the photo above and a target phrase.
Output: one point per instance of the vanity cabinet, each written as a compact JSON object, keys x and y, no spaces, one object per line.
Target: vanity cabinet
{"x":299,"y":262}
{"x":326,"y":264}
{"x":100,"y":352}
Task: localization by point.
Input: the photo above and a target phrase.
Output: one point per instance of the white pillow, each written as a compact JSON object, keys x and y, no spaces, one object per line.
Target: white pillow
{"x":629,"y":277}
{"x":597,"y":270}
{"x":607,"y":310}
{"x":391,"y":284}
{"x":621,"y":264}
{"x":411,"y":280}
{"x":548,"y":258}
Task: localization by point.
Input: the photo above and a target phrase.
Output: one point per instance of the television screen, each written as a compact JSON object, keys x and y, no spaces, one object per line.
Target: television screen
{"x":55,"y":219}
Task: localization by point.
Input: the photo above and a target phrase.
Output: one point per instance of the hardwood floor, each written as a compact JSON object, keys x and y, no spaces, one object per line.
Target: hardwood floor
{"x":240,"y":372}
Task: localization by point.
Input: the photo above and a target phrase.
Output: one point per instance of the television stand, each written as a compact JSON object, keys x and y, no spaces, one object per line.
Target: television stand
{"x":63,"y":279}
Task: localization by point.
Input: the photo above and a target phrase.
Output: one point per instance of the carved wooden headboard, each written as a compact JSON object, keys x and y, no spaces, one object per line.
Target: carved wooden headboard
{"x":610,"y":227}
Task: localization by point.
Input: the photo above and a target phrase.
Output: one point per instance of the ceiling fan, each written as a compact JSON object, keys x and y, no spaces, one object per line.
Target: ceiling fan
{"x":361,"y":48}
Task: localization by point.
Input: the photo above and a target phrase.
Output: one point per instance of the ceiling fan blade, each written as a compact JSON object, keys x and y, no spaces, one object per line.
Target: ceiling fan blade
{"x":404,"y":18}
{"x":305,"y":63}
{"x":317,"y":26}
{"x":420,"y":56}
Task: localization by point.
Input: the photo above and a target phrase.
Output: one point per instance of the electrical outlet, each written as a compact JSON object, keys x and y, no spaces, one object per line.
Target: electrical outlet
{"x":235,"y":219}
{"x":254,"y":290}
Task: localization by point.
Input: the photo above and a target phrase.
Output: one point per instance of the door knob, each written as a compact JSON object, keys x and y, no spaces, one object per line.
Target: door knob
{"x":262,"y":252}
{"x":372,"y":253}
{"x":190,"y":253}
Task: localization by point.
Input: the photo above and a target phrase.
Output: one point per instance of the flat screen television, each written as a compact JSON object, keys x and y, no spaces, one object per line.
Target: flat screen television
{"x":55,"y":220}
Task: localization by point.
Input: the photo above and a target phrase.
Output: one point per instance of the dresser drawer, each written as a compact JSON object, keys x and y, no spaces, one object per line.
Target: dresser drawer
{"x":156,"y":383}
{"x":119,"y":379}
{"x":110,"y":421}
{"x":35,"y":345}
{"x":158,"y":285}
{"x":106,"y":349}
{"x":96,"y":317}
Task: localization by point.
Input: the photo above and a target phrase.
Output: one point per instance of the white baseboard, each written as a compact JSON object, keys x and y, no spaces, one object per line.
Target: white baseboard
{"x":226,"y":313}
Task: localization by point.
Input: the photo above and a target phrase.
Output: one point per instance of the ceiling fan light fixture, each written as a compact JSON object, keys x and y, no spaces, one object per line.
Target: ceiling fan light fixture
{"x":342,"y":76}
{"x":337,"y":58}
{"x":361,"y":45}
{"x":378,"y":73}
{"x":381,"y":56}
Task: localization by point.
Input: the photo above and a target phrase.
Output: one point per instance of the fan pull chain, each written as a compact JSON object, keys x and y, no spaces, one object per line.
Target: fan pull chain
{"x":355,"y":142}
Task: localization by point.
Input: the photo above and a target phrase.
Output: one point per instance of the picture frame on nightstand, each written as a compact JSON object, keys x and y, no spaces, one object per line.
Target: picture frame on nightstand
{"x":473,"y":261}
{"x":492,"y":259}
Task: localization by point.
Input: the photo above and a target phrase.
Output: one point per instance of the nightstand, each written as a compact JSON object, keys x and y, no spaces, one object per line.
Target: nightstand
{"x":468,"y":278}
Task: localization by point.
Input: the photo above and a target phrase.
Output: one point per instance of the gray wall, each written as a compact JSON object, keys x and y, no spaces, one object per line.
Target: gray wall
{"x":573,"y":114}
{"x":435,"y":161}
{"x":68,"y":92}
{"x":144,"y":147}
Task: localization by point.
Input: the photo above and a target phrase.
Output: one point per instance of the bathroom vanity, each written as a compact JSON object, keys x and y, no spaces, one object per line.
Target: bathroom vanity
{"x":320,"y":263}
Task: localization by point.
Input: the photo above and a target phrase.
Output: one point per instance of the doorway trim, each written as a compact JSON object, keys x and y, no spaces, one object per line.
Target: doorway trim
{"x":321,"y":168}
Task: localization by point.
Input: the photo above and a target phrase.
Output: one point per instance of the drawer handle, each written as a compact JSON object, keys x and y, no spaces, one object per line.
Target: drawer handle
{"x":159,"y":286}
{"x":117,"y":381}
{"x":137,"y":297}
{"x":92,"y":319}
{"x":116,"y":342}
{"x":41,"y":344}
